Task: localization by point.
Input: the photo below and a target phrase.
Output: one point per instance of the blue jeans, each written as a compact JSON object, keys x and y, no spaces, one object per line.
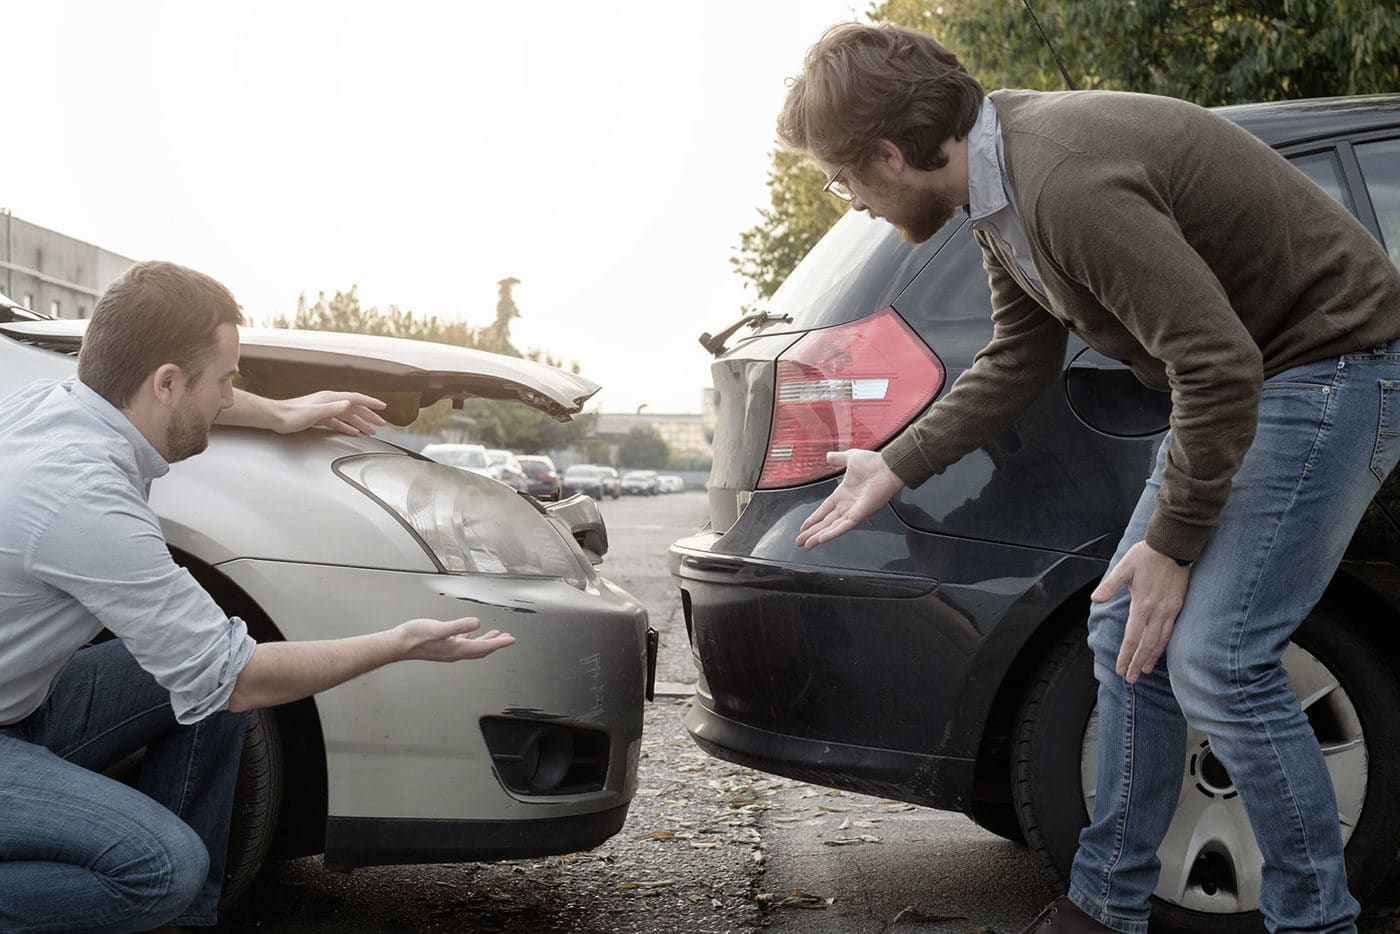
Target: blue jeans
{"x":1329,"y":433}
{"x":79,"y":851}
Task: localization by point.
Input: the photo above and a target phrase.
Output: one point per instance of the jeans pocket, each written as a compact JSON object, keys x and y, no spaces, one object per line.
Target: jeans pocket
{"x":1387,"y":452}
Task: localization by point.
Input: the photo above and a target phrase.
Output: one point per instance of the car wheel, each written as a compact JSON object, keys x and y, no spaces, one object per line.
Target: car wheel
{"x":257,"y":805}
{"x":1210,"y":876}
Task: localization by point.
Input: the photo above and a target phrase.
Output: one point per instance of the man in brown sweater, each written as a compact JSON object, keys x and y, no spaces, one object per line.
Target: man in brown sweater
{"x":1167,"y":237}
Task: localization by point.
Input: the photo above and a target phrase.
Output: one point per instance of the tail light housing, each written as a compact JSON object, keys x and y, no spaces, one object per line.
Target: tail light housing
{"x":852,"y":386}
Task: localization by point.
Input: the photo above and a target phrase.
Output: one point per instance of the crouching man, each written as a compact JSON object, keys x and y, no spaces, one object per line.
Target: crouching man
{"x":80,"y":551}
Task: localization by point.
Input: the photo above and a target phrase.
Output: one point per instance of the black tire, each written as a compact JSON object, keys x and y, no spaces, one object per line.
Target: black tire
{"x":1049,"y":738}
{"x":257,"y":806}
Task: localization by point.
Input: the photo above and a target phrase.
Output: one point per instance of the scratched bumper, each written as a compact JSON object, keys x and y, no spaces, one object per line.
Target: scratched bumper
{"x":405,"y":742}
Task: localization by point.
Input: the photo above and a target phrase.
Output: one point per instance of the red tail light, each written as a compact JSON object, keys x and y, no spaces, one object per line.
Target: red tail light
{"x":853,"y":386}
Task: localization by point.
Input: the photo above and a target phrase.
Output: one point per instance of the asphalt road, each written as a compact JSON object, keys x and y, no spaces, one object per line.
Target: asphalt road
{"x":708,"y":847}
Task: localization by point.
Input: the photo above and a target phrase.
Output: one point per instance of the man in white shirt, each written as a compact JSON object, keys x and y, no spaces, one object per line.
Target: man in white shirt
{"x":81,"y":551}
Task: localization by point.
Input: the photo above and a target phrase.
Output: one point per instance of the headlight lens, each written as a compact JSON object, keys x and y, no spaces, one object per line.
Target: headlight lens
{"x":469,"y":524}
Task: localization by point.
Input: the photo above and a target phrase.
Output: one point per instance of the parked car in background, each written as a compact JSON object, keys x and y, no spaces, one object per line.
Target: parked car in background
{"x":936,"y":653}
{"x":640,"y":483}
{"x":318,"y":535}
{"x":470,"y":457}
{"x":508,"y":470}
{"x":670,"y":483}
{"x":612,"y":483}
{"x":587,"y":479}
{"x":541,"y":475}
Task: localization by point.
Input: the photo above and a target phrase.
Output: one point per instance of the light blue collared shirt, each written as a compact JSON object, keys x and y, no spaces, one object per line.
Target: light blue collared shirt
{"x":80,"y":550}
{"x":991,"y":205}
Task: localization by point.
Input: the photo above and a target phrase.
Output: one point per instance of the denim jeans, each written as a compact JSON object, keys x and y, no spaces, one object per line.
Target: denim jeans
{"x":1328,"y":434}
{"x":80,"y":851}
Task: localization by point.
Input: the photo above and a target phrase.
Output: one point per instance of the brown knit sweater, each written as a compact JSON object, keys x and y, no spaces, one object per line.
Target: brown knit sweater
{"x":1167,"y":237}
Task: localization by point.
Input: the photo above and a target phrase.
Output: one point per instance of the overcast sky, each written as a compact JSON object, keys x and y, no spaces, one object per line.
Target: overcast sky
{"x":606,"y":154}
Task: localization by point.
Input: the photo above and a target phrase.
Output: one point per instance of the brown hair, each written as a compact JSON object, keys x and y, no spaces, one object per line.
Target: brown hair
{"x":156,"y":313}
{"x":860,"y":84}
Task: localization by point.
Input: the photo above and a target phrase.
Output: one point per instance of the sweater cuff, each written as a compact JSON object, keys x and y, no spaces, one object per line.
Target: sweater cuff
{"x":1176,"y":539}
{"x":904,"y":457}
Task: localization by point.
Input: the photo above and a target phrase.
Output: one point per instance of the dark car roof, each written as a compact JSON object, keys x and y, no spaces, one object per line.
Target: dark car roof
{"x":1281,"y":123}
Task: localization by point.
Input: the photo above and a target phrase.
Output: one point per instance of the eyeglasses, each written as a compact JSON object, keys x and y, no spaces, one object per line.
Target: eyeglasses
{"x":839,"y":189}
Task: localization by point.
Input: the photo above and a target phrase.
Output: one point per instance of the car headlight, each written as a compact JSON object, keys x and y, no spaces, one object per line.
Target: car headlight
{"x":469,"y":524}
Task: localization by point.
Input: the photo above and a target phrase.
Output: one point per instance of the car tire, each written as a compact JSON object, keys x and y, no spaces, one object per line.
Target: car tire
{"x":1050,"y":743}
{"x":257,"y":806}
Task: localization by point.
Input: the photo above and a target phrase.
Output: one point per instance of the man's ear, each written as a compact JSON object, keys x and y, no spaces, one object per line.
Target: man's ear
{"x":890,"y":154}
{"x":165,"y":380}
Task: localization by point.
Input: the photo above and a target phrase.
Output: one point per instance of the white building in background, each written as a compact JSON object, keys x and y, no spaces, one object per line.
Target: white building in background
{"x":52,"y":273}
{"x":685,"y":433}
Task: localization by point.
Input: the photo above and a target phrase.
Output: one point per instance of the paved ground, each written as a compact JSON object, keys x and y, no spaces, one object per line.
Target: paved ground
{"x":708,"y":848}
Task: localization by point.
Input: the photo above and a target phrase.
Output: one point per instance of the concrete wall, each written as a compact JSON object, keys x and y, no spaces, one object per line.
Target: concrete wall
{"x":47,"y":271}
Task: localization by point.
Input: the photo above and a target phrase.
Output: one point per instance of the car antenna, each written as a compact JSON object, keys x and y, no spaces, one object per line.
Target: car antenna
{"x":1046,"y":39}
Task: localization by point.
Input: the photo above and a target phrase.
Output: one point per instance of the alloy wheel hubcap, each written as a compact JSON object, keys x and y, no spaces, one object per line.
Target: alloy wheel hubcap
{"x":1210,"y":858}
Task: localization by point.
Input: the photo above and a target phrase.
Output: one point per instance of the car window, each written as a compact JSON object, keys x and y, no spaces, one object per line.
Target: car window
{"x":1324,"y":169}
{"x":1380,"y":166}
{"x":857,"y":267}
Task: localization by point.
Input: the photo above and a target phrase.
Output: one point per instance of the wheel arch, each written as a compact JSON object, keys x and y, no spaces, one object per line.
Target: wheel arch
{"x":302,"y":828}
{"x":1354,"y":587}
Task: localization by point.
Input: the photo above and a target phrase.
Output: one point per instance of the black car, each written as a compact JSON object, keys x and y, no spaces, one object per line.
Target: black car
{"x":589,"y":479}
{"x":936,"y":654}
{"x":541,"y":476}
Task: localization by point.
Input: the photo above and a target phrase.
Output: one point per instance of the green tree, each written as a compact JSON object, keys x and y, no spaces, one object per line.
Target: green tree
{"x":1211,"y":52}
{"x":799,"y":213}
{"x":1208,"y":51}
{"x":644,"y":449}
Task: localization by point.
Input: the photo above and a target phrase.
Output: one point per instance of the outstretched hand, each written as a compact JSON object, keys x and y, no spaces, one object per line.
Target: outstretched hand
{"x":349,"y":413}
{"x":868,"y":484}
{"x":436,"y":640}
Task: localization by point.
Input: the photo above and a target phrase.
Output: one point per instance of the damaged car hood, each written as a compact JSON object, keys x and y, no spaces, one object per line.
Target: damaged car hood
{"x":407,"y":374}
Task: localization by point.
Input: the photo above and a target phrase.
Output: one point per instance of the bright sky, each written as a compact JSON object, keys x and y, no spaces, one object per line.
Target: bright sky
{"x":607,"y":154}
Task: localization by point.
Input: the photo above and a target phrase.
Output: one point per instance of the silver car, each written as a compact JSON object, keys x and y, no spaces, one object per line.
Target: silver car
{"x":320,"y":535}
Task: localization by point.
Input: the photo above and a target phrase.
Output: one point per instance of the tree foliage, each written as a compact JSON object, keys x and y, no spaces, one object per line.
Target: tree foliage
{"x":494,"y":423}
{"x":644,"y":449}
{"x":1211,"y":52}
{"x":1207,"y":51}
{"x":799,"y":213}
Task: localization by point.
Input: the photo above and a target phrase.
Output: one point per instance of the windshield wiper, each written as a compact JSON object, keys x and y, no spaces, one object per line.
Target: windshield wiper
{"x":714,"y":343}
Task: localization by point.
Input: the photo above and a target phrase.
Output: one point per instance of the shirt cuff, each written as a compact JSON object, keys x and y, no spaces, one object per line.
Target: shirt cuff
{"x":906,"y":459}
{"x":214,"y":686}
{"x":1176,"y":539}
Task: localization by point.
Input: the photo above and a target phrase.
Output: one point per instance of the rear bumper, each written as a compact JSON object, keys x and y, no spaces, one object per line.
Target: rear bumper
{"x":936,"y":781}
{"x":839,"y":678}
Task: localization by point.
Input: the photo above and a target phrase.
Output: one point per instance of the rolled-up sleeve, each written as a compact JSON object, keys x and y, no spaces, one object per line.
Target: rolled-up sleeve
{"x":106,"y":550}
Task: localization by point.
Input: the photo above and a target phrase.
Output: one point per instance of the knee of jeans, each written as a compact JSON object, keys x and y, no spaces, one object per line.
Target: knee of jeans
{"x":1204,"y":681}
{"x":170,"y":875}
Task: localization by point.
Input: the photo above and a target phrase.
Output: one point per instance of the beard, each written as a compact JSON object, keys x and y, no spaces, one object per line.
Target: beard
{"x":187,"y":435}
{"x":923,"y":215}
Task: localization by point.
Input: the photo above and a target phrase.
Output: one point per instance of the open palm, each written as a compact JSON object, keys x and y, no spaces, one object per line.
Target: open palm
{"x":868,"y":484}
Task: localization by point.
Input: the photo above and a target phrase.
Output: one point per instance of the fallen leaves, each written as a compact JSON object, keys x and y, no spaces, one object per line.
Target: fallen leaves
{"x":796,"y":899}
{"x":852,"y":841}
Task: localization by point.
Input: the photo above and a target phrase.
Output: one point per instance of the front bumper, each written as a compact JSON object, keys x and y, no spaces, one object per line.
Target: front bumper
{"x":405,"y":743}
